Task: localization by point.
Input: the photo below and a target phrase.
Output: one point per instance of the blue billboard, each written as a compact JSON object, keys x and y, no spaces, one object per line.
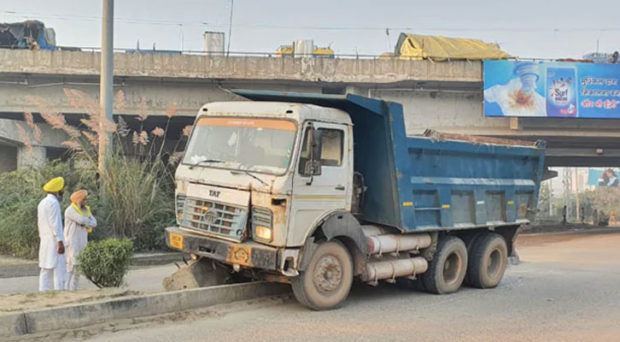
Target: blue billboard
{"x":551,"y":89}
{"x":603,"y":177}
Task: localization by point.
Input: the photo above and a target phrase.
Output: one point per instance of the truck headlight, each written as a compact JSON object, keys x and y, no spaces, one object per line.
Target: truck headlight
{"x":262,"y":226}
{"x":180,"y":204}
{"x":263,"y":233}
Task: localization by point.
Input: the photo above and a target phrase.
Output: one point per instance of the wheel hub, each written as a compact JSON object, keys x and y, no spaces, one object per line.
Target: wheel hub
{"x":328,"y":275}
{"x":452,"y":268}
{"x":494,"y":263}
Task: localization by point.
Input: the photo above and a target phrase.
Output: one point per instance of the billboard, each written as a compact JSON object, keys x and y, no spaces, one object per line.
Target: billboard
{"x":603,"y":177}
{"x":551,"y":89}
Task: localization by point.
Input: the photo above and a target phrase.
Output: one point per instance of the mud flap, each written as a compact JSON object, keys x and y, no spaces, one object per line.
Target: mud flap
{"x":199,"y":273}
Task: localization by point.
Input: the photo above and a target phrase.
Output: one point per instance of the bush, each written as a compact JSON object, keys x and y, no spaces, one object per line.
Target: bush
{"x":106,"y":262}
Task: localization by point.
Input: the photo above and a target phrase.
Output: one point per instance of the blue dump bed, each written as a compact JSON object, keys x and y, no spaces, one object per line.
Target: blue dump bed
{"x":431,"y":182}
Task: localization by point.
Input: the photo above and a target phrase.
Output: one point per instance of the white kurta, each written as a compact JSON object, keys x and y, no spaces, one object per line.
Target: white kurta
{"x":76,"y":236}
{"x":49,"y":222}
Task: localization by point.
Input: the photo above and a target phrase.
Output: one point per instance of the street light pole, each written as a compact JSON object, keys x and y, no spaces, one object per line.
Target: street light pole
{"x":106,"y":90}
{"x":230,"y":20}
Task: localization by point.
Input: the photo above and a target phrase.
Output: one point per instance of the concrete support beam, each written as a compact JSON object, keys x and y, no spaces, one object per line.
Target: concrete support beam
{"x":49,"y":137}
{"x":156,"y":96}
{"x":8,"y":158}
{"x":15,"y":153}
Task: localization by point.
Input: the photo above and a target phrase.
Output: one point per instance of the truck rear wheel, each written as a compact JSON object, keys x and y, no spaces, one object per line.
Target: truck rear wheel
{"x":447,"y":270}
{"x":487,"y":262}
{"x":326,"y":281}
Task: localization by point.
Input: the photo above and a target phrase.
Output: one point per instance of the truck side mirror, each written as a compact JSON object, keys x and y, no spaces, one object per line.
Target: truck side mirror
{"x":315,"y":157}
{"x":311,"y":165}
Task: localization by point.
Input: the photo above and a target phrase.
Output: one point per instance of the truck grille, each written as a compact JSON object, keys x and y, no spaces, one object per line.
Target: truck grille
{"x":216,"y":218}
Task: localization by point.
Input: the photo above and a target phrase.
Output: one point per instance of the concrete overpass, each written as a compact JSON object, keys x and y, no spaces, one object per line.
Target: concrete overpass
{"x":444,"y":96}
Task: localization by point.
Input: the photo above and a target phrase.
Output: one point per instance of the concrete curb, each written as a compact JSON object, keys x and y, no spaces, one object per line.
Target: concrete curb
{"x":81,"y":315}
{"x":31,"y":269}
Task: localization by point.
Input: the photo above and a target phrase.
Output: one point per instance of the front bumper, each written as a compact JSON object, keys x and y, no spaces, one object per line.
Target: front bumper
{"x":250,"y":254}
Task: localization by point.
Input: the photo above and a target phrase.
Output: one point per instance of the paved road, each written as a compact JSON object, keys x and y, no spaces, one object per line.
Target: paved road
{"x":566,"y":289}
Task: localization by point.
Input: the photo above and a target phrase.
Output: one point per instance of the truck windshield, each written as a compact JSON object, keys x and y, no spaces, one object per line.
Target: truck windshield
{"x":263,"y":145}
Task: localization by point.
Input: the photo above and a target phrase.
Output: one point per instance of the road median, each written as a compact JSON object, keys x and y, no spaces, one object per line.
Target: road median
{"x":15,"y":267}
{"x":84,"y":314}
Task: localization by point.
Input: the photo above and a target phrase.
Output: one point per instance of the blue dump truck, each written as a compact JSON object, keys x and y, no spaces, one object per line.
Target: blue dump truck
{"x":320,"y":190}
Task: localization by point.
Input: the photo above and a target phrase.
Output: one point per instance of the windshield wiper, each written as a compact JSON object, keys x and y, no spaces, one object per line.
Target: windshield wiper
{"x":238,"y":172}
{"x":205,"y":161}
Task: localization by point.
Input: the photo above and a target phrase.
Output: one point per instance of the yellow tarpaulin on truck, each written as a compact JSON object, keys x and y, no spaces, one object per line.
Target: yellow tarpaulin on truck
{"x":415,"y":46}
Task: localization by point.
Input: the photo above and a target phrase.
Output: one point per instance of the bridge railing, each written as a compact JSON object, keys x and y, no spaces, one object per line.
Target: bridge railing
{"x":227,"y":54}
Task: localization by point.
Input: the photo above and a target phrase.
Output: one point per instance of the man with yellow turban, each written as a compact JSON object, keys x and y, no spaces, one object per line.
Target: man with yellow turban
{"x":51,"y":248}
{"x":78,"y":222}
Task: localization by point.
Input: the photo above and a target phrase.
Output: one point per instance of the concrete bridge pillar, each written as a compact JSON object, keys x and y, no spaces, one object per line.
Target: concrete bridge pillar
{"x":34,"y":157}
{"x":14,"y":151}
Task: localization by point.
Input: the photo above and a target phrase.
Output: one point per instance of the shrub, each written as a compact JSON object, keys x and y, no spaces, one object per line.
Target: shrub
{"x":106,"y":262}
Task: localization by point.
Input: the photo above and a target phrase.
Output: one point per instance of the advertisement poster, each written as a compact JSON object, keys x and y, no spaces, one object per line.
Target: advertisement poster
{"x":603,"y":177}
{"x":551,"y":89}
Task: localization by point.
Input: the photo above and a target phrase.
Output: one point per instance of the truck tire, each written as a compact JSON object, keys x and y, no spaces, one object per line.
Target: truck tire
{"x":447,"y":270}
{"x":488,"y":258}
{"x":326,"y":281}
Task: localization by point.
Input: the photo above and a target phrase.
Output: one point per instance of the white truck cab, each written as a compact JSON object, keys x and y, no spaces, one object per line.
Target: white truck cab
{"x":251,"y":164}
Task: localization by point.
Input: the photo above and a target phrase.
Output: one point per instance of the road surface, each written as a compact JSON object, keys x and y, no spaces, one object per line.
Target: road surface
{"x":567,"y":288}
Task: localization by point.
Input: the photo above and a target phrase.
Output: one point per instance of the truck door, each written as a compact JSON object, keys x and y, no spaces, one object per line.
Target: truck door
{"x":314,"y":195}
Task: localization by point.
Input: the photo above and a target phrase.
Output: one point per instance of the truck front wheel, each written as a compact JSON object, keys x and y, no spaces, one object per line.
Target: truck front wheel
{"x":447,"y":270}
{"x":487,"y":262}
{"x":326,"y":281}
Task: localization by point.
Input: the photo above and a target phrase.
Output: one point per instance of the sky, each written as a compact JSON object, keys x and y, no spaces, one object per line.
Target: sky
{"x":525,"y":28}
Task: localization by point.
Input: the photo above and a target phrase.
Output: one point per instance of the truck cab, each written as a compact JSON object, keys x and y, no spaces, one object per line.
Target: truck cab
{"x":255,"y":179}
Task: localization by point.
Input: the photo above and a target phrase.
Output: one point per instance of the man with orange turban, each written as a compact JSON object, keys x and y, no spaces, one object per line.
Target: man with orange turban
{"x":79,"y":221}
{"x":51,"y":247}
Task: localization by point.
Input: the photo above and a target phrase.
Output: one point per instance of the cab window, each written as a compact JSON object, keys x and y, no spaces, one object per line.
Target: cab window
{"x":331,"y":146}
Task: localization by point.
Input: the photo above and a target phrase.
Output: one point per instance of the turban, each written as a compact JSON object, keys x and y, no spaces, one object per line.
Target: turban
{"x":54,"y":185}
{"x":78,"y":196}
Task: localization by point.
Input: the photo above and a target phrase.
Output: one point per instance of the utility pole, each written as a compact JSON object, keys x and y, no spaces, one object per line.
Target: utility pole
{"x":106,"y":90}
{"x":230,"y":20}
{"x":550,"y":185}
{"x":567,"y":181}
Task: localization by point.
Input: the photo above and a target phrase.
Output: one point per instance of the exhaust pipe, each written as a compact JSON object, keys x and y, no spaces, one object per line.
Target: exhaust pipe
{"x":391,"y":243}
{"x":392,"y":269}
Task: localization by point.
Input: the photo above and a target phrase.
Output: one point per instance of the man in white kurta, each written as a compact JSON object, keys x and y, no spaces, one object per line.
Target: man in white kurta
{"x":51,"y":248}
{"x":78,"y":220}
